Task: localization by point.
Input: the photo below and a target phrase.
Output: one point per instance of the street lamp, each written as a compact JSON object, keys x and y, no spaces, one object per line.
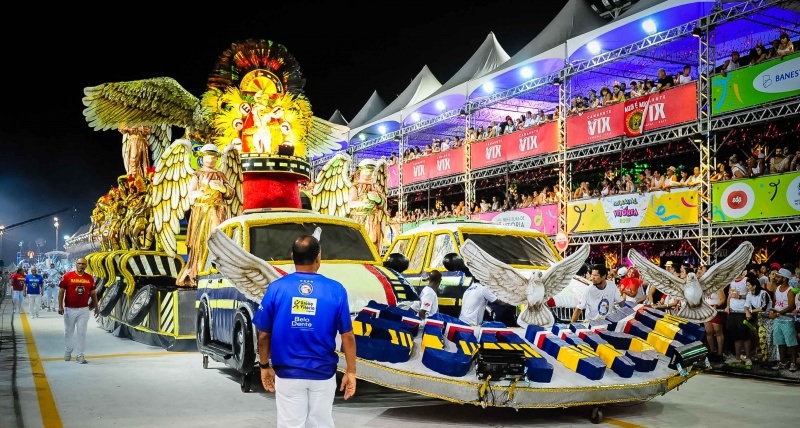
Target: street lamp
{"x":55,"y":219}
{"x":2,"y":232}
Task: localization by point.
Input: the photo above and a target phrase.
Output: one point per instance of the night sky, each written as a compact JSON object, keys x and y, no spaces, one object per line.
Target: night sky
{"x":52,"y":160}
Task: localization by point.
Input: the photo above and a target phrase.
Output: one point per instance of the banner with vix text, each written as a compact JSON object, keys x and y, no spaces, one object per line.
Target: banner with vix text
{"x":533,"y":141}
{"x":661,"y":109}
{"x":756,"y":84}
{"x":595,"y":125}
{"x":448,"y":162}
{"x":541,"y":219}
{"x":770,"y":196}
{"x":653,"y":209}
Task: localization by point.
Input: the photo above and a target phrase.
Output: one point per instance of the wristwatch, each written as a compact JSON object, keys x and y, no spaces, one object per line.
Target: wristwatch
{"x":264,"y":366}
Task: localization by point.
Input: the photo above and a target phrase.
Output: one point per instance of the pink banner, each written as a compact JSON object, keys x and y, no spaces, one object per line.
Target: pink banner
{"x":596,"y":125}
{"x":394,"y":177}
{"x":659,"y":110}
{"x":445,"y":163}
{"x":541,"y":219}
{"x":526,"y":143}
{"x":415,"y":171}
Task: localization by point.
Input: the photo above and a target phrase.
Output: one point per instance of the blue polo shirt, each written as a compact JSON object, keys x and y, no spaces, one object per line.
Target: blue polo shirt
{"x":304,"y":312}
{"x":34,"y":283}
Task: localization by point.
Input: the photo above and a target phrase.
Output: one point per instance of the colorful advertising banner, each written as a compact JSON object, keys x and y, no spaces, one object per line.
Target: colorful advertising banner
{"x":653,"y":209}
{"x":435,"y":165}
{"x":529,"y":142}
{"x":756,"y":84}
{"x":660,"y":110}
{"x":760,"y":198}
{"x":596,"y":125}
{"x":541,"y":219}
{"x":394,"y":177}
{"x":412,"y":224}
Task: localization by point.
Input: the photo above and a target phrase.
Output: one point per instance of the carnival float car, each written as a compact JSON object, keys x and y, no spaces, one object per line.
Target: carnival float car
{"x":251,"y":250}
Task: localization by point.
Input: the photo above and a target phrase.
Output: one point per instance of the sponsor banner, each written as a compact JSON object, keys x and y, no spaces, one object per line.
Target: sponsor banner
{"x":446,"y":163}
{"x":394,"y":176}
{"x":434,"y":165}
{"x":653,"y":209}
{"x":415,"y":171}
{"x":756,"y":84}
{"x":660,"y":110}
{"x":771,"y":196}
{"x":529,"y":142}
{"x":412,"y":224}
{"x":596,"y":125}
{"x":541,"y":219}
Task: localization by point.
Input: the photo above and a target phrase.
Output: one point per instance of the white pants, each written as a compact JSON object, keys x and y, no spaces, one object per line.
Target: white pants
{"x":34,"y":304}
{"x":304,"y":403}
{"x":18,"y":296}
{"x":50,"y":297}
{"x":75,"y":317}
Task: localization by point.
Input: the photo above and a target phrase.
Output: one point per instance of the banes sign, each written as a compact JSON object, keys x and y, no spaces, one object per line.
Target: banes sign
{"x":533,"y":141}
{"x":435,"y":165}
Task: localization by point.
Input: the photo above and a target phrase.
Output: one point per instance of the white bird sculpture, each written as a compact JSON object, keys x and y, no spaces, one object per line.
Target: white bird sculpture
{"x":248,"y":273}
{"x":514,"y":288}
{"x":693,"y":289}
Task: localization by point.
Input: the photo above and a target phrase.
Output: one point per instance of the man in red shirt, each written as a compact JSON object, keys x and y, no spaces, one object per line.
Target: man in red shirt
{"x":18,"y":288}
{"x":76,"y":288}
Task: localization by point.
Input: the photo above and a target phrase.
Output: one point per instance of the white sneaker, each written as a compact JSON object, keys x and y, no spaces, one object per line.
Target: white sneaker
{"x":67,"y":355}
{"x":80,"y":359}
{"x":793,"y":367}
{"x":748,"y":362}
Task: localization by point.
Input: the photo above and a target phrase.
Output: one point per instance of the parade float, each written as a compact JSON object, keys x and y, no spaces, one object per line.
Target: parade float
{"x":198,"y":227}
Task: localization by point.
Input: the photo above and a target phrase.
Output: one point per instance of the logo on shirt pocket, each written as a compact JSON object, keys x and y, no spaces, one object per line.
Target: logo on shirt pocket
{"x":304,"y":306}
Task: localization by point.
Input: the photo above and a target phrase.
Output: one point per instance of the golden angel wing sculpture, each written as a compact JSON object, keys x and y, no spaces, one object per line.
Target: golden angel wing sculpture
{"x":231,"y":166}
{"x":169,"y":193}
{"x":325,"y":137}
{"x":331,"y":189}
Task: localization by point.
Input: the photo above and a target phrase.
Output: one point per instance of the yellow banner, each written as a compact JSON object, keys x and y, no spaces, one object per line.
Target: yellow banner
{"x":653,"y":209}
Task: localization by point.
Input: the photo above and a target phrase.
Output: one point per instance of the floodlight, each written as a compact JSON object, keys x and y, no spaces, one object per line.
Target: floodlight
{"x":557,"y":81}
{"x":415,"y":116}
{"x":362,"y":137}
{"x":526,"y":72}
{"x":649,"y":26}
{"x":488,"y":87}
{"x":440,"y":105}
{"x":697,"y":32}
{"x":382,"y":129}
{"x":594,"y":47}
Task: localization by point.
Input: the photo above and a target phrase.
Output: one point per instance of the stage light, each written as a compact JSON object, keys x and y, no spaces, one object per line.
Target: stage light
{"x":462,"y":112}
{"x":594,"y":47}
{"x":649,"y":26}
{"x":440,"y":105}
{"x":526,"y":72}
{"x":382,"y":129}
{"x":488,"y":87}
{"x":415,"y":116}
{"x":557,"y":81}
{"x":697,"y":32}
{"x":362,"y":137}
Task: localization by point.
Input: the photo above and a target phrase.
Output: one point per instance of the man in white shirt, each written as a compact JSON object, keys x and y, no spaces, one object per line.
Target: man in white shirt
{"x":446,"y":144}
{"x":473,"y":303}
{"x":685,"y":77}
{"x":600,"y":299}
{"x":429,"y":298}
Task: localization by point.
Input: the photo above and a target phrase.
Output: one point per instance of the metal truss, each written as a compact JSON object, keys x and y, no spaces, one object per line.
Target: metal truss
{"x":762,"y":228}
{"x":564,"y":182}
{"x":511,"y":93}
{"x":707,"y":59}
{"x":594,"y":150}
{"x":427,"y":185}
{"x":759,"y":114}
{"x":635,"y":235}
{"x":652,"y":138}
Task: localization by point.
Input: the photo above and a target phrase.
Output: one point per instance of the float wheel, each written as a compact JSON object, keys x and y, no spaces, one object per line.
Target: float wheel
{"x":597,"y":415}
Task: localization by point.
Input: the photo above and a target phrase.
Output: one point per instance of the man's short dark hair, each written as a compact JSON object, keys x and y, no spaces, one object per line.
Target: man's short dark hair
{"x":601,"y":269}
{"x":435,"y":277}
{"x":305,"y":250}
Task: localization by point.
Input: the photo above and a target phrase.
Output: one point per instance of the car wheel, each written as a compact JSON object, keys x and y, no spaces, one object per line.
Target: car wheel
{"x":243,"y":352}
{"x":140,"y":305}
{"x":201,"y":326}
{"x":100,"y":289}
{"x":110,"y":298}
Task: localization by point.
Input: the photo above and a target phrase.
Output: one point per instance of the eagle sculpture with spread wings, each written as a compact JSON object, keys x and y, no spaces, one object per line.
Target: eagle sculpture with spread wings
{"x":514,"y":288}
{"x":360,"y":196}
{"x":693,"y":290}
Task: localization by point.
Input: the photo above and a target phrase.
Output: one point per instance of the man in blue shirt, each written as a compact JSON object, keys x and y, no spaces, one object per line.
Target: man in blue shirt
{"x":34,"y":283}
{"x":298,"y":320}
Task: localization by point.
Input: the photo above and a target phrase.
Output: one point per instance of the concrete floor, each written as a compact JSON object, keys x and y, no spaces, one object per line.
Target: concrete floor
{"x":127,"y":384}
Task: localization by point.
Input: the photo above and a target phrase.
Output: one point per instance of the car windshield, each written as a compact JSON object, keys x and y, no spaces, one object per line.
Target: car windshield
{"x":273,"y":242}
{"x":515,"y":250}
